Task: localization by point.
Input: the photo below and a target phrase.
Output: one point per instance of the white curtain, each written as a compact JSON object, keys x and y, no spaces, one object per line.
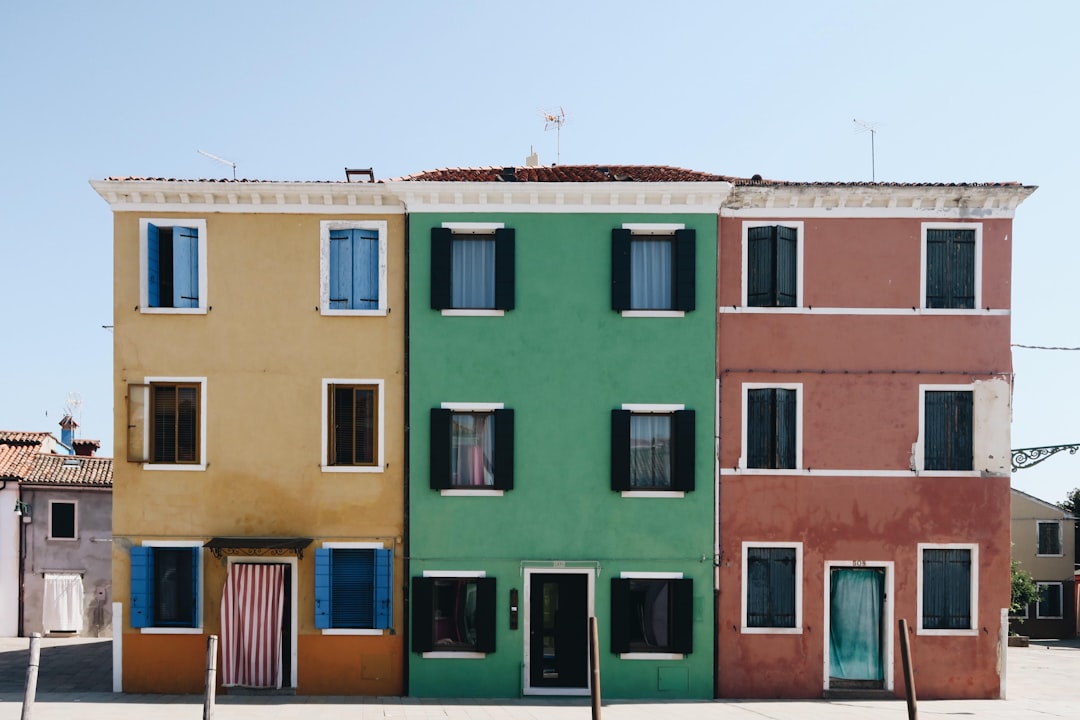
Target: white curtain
{"x":472,"y":280}
{"x":650,"y":274}
{"x":62,"y":607}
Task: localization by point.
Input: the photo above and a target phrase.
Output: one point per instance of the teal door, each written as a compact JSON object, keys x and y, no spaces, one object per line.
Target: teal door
{"x":856,"y":627}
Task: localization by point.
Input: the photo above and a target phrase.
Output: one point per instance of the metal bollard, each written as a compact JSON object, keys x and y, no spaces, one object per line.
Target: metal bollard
{"x":211,"y":678}
{"x":909,"y":672}
{"x":31,"y":676}
{"x":594,"y":661}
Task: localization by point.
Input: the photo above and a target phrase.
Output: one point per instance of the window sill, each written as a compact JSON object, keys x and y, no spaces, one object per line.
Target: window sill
{"x":381,"y":312}
{"x":653,"y":493}
{"x":172,"y":311}
{"x":1049,"y":555}
{"x":954,"y":633}
{"x":651,"y":656}
{"x":1049,"y":617}
{"x":452,"y":655}
{"x":170,"y":631}
{"x":353,"y":631}
{"x":188,"y":468}
{"x":352,"y":468}
{"x":770,"y":630}
{"x":473,"y":313}
{"x":462,"y":492}
{"x":62,"y":539}
{"x":653,"y":313}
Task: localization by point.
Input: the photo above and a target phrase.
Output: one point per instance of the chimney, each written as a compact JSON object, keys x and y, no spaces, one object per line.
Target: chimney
{"x":533,"y":160}
{"x":67,"y":431}
{"x":86,"y":448}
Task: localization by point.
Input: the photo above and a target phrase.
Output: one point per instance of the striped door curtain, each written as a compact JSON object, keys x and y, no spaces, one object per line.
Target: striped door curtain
{"x":251,"y":609}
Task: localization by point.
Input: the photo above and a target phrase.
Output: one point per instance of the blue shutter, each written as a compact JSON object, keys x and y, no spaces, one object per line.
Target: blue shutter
{"x":153,"y":266}
{"x":384,"y":583}
{"x":341,"y":269}
{"x":322,"y":588}
{"x":787,"y":266}
{"x":365,"y":269}
{"x":685,"y":270}
{"x":504,"y":269}
{"x":185,"y":267}
{"x":352,"y":587}
{"x":785,"y":428}
{"x":760,"y":264}
{"x":620,"y":269}
{"x":141,"y":609}
{"x":196,"y":598}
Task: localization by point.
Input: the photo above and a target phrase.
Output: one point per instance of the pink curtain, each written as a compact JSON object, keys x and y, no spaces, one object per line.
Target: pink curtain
{"x":251,"y":608}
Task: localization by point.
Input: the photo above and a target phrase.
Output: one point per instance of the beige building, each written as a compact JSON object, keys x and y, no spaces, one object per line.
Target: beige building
{"x":1043,"y":538}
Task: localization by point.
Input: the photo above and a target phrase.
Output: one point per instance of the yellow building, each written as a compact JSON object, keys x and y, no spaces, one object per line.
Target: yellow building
{"x":259,"y":473}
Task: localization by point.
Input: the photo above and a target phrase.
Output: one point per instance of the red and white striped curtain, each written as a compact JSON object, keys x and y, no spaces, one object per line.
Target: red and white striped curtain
{"x":251,"y":608}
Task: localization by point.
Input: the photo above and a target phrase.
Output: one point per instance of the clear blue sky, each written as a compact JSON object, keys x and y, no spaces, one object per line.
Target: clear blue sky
{"x":964,"y":91}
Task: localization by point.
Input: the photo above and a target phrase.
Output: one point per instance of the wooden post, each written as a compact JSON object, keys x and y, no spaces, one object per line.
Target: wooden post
{"x":211,"y":678}
{"x":31,"y":676}
{"x":909,"y":673}
{"x":594,"y":662}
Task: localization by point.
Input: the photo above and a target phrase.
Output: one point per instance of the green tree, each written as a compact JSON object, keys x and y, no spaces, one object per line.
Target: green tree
{"x":1024,"y":589}
{"x":1071,"y":503}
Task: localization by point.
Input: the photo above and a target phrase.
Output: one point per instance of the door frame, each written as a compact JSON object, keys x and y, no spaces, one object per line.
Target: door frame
{"x":294,"y":565}
{"x":888,"y":633}
{"x":590,"y":591}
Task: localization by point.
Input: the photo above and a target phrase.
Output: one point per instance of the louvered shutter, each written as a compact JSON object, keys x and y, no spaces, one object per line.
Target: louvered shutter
{"x":365,"y":269}
{"x":153,"y":266}
{"x":440,"y":448}
{"x":323,"y":598}
{"x":785,"y":428}
{"x":935,"y":431}
{"x":683,"y":462}
{"x":620,"y":269}
{"x":485,"y":614}
{"x":384,"y":584}
{"x":961,"y":452}
{"x":937,"y":268}
{"x":504,"y":269}
{"x":187,"y":424}
{"x":685,"y":270}
{"x":758,"y":586}
{"x":185,"y":267}
{"x":504,"y":450}
{"x":423,"y":590}
{"x":341,"y":269}
{"x":962,"y":270}
{"x":957,"y":589}
{"x":344,"y":425}
{"x":621,"y":617}
{"x":620,"y":450}
{"x":164,"y":419}
{"x":759,"y":428}
{"x":760,"y":264}
{"x":934,"y":589}
{"x":682,"y":615}
{"x":364,"y":430}
{"x":141,"y":608}
{"x":441,"y":266}
{"x":352,"y":587}
{"x":781,"y":587}
{"x":787,"y":266}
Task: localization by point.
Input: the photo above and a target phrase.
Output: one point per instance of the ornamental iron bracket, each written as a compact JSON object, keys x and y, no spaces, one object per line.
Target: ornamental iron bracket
{"x":1026,"y":457}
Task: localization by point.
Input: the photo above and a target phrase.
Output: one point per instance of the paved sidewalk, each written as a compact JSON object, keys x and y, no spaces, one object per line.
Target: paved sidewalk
{"x":1043,"y":682}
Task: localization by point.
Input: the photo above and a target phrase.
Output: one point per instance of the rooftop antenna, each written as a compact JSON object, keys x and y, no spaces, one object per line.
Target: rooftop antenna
{"x":73,"y":405}
{"x":223,"y":161}
{"x":872,"y":129}
{"x":556,"y":120}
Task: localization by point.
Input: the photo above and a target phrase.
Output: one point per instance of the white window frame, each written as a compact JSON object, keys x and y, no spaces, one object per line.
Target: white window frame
{"x":325,"y":227}
{"x":800,"y":245}
{"x":653,"y":409}
{"x":144,"y":267}
{"x":477,"y":407}
{"x":590,"y":589}
{"x":978,"y":228}
{"x":746,"y":388}
{"x":324,"y":459}
{"x":974,"y":589}
{"x":189,"y":467}
{"x":920,"y":444}
{"x":1044,"y":585}
{"x":449,"y":654}
{"x":356,"y":546}
{"x":75,"y":514}
{"x":198,"y":630}
{"x":651,"y":576}
{"x":1060,"y":535}
{"x":744,"y":626}
{"x":473,"y":228}
{"x":291,"y":599}
{"x":662,"y":229}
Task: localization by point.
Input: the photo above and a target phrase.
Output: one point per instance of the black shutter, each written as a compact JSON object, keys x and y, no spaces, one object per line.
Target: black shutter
{"x":760,"y":266}
{"x":422,"y":606}
{"x":785,"y":428}
{"x":759,"y":428}
{"x":440,"y":448}
{"x":441,"y":265}
{"x":682,"y":616}
{"x":685,"y":270}
{"x":504,"y":269}
{"x":682,"y":465}
{"x":962,"y":270}
{"x":620,"y":615}
{"x":935,"y":431}
{"x":937,"y":269}
{"x":485,"y":615}
{"x":620,"y":269}
{"x":504,"y":450}
{"x":958,"y":589}
{"x":620,"y":450}
{"x":787,"y":266}
{"x":961,"y":452}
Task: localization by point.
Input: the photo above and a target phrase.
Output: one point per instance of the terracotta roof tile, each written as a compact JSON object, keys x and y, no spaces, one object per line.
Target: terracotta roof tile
{"x":18,"y":437}
{"x":70,"y":470}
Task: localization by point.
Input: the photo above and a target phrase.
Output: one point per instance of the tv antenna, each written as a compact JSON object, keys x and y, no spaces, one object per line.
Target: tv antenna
{"x":223,"y":161}
{"x":555,"y":120}
{"x":73,"y":405}
{"x":872,"y":129}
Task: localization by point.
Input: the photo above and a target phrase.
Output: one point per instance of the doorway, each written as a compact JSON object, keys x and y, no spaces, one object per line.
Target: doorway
{"x":557,"y":637}
{"x":254,"y":627}
{"x":859,"y":618}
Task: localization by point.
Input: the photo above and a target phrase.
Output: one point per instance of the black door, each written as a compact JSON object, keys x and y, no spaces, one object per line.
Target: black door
{"x":558,"y":630}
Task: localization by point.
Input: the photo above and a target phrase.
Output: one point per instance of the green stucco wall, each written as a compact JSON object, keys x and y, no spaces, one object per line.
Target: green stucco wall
{"x":563,"y":359}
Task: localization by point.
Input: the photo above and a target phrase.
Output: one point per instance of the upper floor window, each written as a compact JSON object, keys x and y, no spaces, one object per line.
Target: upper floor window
{"x":166,"y":423}
{"x":948,"y":430}
{"x":1049,"y":537}
{"x":63,"y":522}
{"x":653,"y":268}
{"x":472,"y":447}
{"x":951,"y":265}
{"x":353,"y":267}
{"x":352,"y":439}
{"x":652,"y":448}
{"x":353,"y":587}
{"x":472,"y":268}
{"x":772,"y":265}
{"x":771,"y":427}
{"x":173,"y":265}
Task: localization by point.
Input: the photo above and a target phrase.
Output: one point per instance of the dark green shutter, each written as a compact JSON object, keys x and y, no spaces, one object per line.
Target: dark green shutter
{"x":685,"y":270}
{"x":760,"y":264}
{"x":620,"y":615}
{"x":440,"y":448}
{"x":504,"y":450}
{"x":620,"y":269}
{"x":958,"y":589}
{"x":682,"y":615}
{"x":787,"y":266}
{"x":782,"y":587}
{"x":960,"y":432}
{"x":947,"y":430}
{"x":950,"y":268}
{"x":485,"y":614}
{"x":504,"y":269}
{"x":441,"y":267}
{"x":683,"y":435}
{"x":423,"y":607}
{"x":759,"y":428}
{"x":785,"y":428}
{"x":620,"y":450}
{"x":962,"y":270}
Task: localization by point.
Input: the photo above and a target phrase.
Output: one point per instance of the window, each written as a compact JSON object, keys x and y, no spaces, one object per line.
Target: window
{"x":652,"y":448}
{"x":772,"y":266}
{"x":172,"y":254}
{"x":472,"y":447}
{"x":772,"y":587}
{"x":771,"y":440}
{"x":1049,"y":537}
{"x":165,"y":586}
{"x":353,"y":267}
{"x":948,"y":430}
{"x":62,"y":522}
{"x":353,"y":587}
{"x":948,"y":578}
{"x":167,"y":423}
{"x":951,"y":258}
{"x":653,"y":268}
{"x":453,"y":614}
{"x":1050,"y":606}
{"x":472,"y":268}
{"x":652,"y":614}
{"x":352,"y":425}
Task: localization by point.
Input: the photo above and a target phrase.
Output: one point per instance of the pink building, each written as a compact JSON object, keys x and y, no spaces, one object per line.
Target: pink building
{"x":864,"y":378}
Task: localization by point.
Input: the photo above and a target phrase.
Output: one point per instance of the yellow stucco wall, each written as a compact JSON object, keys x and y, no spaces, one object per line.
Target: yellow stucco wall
{"x":264,"y":349}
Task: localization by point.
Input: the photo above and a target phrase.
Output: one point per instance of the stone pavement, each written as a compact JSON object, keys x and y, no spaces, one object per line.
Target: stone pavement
{"x":75,"y":677}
